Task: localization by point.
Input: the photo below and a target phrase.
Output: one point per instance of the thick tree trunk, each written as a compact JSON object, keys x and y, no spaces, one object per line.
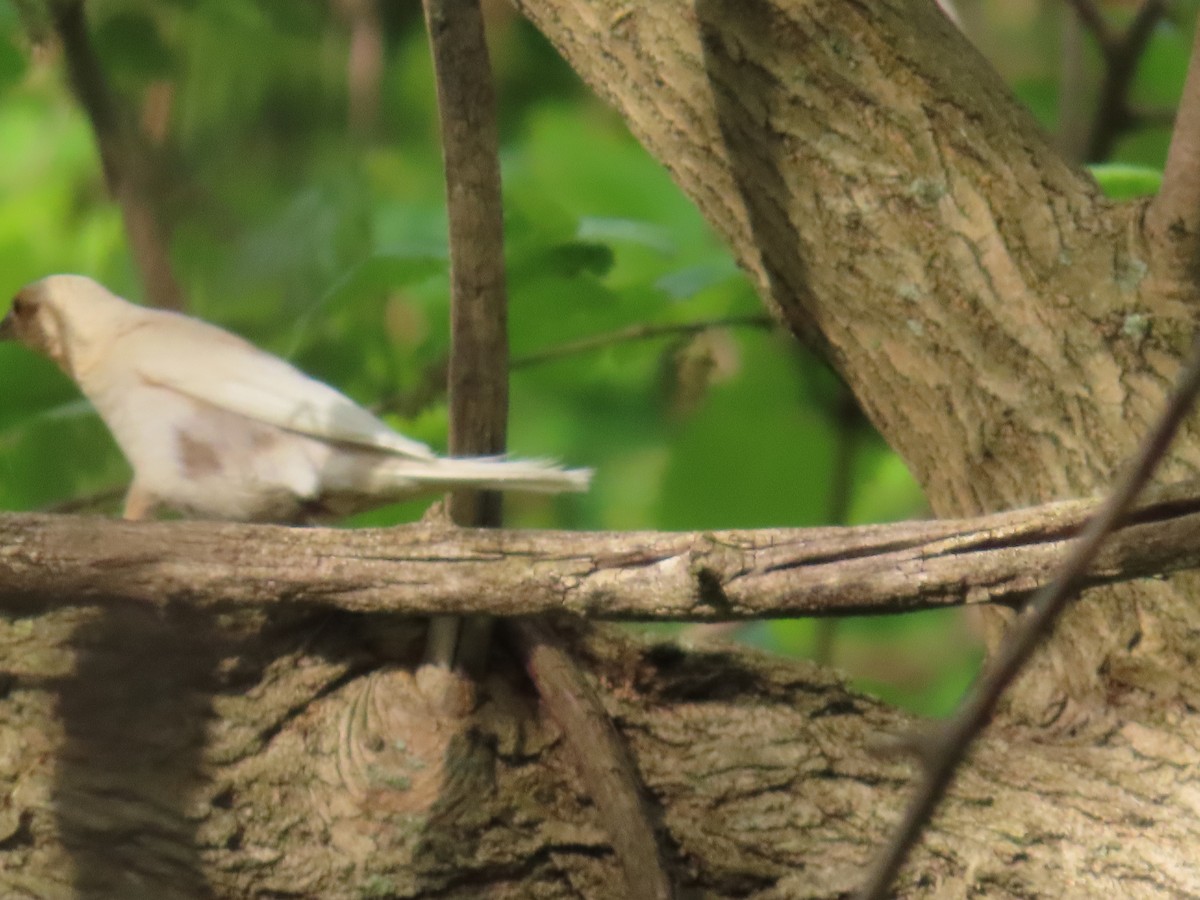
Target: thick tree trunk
{"x":1007,"y":329}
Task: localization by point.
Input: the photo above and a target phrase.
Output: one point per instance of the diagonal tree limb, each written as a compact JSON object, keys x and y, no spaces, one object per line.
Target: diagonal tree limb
{"x":127,"y":162}
{"x":1092,"y":19}
{"x":435,"y":569}
{"x":949,"y":741}
{"x":604,"y":762}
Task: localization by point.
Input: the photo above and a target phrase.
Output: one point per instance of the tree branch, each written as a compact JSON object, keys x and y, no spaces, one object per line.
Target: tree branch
{"x":478,"y":376}
{"x":644,"y":332}
{"x":432,"y":569}
{"x":1121,"y":58}
{"x":126,"y":161}
{"x":478,"y":389}
{"x":478,"y":371}
{"x":1092,"y":19}
{"x":604,"y":762}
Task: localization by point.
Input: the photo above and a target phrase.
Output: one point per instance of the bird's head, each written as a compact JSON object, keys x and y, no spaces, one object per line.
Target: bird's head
{"x":64,"y":317}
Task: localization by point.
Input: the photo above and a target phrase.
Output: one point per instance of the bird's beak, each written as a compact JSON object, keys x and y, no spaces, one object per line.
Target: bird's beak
{"x":8,"y":328}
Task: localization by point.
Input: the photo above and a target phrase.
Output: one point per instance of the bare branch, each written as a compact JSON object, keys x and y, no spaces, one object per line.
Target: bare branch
{"x":479,"y":359}
{"x":127,"y":162}
{"x":478,"y":389}
{"x":430,"y":568}
{"x":478,"y":371}
{"x":949,"y":741}
{"x":609,"y":775}
{"x":1090,"y":16}
{"x":1121,"y":57}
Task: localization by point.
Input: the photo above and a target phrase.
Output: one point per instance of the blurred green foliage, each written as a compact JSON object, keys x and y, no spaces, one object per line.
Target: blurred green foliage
{"x":319,"y":233}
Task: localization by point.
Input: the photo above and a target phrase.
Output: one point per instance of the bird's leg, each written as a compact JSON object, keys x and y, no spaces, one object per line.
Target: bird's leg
{"x":442,"y":642}
{"x":139,"y":504}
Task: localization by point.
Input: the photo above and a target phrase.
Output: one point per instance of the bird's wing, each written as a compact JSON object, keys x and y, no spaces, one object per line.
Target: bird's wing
{"x":216,"y":367}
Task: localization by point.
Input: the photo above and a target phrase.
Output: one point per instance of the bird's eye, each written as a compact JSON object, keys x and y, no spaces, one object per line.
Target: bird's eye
{"x":20,"y":306}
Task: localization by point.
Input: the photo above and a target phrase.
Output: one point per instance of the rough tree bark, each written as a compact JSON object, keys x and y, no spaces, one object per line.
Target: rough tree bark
{"x":1009,"y":331}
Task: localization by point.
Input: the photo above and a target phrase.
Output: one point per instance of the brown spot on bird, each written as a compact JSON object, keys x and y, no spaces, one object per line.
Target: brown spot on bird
{"x":197,"y":458}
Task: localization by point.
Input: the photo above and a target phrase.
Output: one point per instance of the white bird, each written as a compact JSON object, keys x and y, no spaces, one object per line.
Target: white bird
{"x":216,"y":428}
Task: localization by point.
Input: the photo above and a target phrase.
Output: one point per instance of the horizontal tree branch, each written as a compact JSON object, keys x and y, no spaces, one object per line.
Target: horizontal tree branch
{"x":431,"y":568}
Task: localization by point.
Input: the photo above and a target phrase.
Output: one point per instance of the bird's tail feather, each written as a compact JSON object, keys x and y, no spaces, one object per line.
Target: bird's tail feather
{"x":485,"y":473}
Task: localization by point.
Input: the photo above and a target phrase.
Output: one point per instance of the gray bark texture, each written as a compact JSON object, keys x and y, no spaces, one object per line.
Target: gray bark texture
{"x":1009,"y":331}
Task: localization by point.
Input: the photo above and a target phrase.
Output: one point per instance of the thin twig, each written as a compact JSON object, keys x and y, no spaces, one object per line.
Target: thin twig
{"x":478,"y":388}
{"x":948,"y":743}
{"x":1092,"y":19}
{"x":638,"y":333}
{"x":478,"y":370}
{"x":126,"y":161}
{"x":431,"y":384}
{"x":1173,"y":217}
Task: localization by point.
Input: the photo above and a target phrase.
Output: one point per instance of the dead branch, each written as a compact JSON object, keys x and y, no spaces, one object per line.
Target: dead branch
{"x":477,"y":378}
{"x":431,"y":569}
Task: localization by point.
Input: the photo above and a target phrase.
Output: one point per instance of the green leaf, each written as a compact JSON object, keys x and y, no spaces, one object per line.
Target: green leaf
{"x":690,"y":281}
{"x":655,"y":237}
{"x":1122,"y":181}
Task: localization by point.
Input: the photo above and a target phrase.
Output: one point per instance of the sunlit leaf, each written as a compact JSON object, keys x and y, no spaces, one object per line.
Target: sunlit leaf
{"x":1122,"y":181}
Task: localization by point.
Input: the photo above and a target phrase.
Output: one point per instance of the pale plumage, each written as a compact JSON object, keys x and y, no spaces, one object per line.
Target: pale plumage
{"x":216,"y":428}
